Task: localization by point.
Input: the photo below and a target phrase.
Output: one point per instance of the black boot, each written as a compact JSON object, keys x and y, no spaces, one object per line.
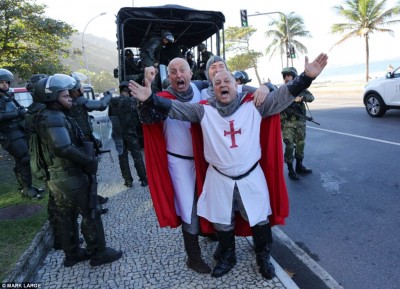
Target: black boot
{"x":292,"y":174}
{"x":76,"y":257}
{"x":102,"y":200}
{"x":227,"y":258}
{"x":262,"y":238}
{"x":193,"y":252}
{"x":300,"y":168}
{"x":100,"y":254}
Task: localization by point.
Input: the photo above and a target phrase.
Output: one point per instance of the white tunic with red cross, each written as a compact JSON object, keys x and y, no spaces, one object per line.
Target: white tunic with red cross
{"x":232,"y":145}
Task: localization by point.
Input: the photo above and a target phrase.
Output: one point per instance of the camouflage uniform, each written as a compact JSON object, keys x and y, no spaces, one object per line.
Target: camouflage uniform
{"x":294,"y":128}
{"x":123,"y":113}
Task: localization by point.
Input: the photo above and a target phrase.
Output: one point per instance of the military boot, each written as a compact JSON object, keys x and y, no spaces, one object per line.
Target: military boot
{"x":227,"y":258}
{"x":32,"y":193}
{"x":262,"y":238}
{"x":300,"y":168}
{"x":76,"y":257}
{"x":292,"y":174}
{"x":100,"y":254}
{"x":193,"y":252}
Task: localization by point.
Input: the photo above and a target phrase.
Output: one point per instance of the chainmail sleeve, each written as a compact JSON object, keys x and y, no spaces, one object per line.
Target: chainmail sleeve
{"x":192,"y":112}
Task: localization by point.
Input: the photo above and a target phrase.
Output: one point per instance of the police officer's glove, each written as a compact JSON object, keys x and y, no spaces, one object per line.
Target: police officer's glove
{"x":21,"y":112}
{"x":91,"y":168}
{"x":107,"y":93}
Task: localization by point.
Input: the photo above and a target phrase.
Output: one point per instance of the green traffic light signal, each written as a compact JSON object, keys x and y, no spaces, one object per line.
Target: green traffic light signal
{"x":243,"y":18}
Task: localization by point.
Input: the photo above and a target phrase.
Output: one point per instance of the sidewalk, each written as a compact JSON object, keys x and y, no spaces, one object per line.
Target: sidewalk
{"x":153,"y":257}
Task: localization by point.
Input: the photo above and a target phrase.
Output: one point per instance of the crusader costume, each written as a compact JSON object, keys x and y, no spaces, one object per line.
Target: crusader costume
{"x":234,"y":178}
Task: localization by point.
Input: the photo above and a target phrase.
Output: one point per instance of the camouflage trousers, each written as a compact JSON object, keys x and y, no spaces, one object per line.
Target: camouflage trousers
{"x":69,"y":198}
{"x":294,"y":138}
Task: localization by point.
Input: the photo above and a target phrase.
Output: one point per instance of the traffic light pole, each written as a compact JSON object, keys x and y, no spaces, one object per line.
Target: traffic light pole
{"x":287,"y":27}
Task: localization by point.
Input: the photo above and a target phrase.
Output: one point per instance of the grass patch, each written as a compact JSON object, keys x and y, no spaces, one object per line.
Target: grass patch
{"x":15,"y":238}
{"x":16,"y":235}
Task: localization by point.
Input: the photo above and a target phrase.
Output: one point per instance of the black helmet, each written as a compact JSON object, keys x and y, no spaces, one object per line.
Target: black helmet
{"x":189,"y":53}
{"x":79,"y":77}
{"x":201,"y":46}
{"x":34,"y":79}
{"x":123,"y":84}
{"x":242,"y":76}
{"x":47,"y":89}
{"x":6,"y":75}
{"x":289,"y":70}
{"x":169,"y":36}
{"x":128,"y":52}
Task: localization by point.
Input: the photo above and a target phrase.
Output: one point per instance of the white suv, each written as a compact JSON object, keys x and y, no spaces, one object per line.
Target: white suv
{"x":382,"y":94}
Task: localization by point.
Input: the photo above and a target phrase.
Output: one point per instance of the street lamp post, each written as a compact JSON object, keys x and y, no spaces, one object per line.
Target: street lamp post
{"x":287,"y":26}
{"x":83,"y":47}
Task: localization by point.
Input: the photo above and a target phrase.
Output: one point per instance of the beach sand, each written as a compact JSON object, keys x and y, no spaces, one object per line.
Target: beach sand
{"x":338,"y":87}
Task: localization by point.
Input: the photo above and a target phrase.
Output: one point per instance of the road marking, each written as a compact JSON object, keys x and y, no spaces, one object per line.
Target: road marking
{"x":356,"y":136}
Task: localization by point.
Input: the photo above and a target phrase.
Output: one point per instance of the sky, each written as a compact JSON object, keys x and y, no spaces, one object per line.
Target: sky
{"x":318,"y":18}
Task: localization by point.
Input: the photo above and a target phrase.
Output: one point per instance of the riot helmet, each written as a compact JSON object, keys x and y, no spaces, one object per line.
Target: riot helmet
{"x":6,"y":75}
{"x":123,"y":85}
{"x":34,"y":79}
{"x":47,"y":89}
{"x":242,"y":76}
{"x":79,"y":77}
{"x":289,"y":70}
{"x":201,"y":47}
{"x":169,"y":36}
{"x":128,"y":52}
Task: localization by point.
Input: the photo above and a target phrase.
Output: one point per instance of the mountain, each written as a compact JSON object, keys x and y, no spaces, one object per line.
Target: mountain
{"x":101,"y":53}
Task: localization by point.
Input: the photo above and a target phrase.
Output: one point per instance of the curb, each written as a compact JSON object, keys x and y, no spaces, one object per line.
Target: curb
{"x":303,"y":257}
{"x":26,"y":267}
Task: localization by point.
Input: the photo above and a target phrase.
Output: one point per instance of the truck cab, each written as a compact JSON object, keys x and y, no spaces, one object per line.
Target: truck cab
{"x":190,"y":27}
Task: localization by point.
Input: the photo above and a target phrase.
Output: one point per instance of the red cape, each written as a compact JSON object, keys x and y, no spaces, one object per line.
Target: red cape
{"x":271,"y":163}
{"x":160,"y":184}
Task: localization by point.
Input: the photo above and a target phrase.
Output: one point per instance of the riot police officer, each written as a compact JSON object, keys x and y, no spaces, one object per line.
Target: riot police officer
{"x":150,"y":51}
{"x":81,"y":106}
{"x":68,"y":167}
{"x":125,"y":119}
{"x":241,"y":77}
{"x":293,"y":125}
{"x":203,"y":55}
{"x":13,"y":137}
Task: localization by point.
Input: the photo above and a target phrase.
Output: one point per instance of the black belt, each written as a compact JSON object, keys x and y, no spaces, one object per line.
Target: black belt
{"x":241,"y":176}
{"x":180,"y":156}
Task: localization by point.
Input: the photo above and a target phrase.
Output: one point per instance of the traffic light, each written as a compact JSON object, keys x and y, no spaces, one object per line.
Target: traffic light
{"x":292,"y":52}
{"x":243,"y":18}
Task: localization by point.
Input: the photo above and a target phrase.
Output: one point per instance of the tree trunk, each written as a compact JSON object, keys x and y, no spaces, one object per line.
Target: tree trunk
{"x":366,"y":58}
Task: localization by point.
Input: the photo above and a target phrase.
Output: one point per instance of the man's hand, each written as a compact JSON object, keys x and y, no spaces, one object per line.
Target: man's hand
{"x":314,"y":68}
{"x":298,"y":99}
{"x":260,"y":95}
{"x":142,"y":93}
{"x":150,"y":73}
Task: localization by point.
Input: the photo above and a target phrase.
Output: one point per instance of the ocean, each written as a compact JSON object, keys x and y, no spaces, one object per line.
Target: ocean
{"x":357,"y":71}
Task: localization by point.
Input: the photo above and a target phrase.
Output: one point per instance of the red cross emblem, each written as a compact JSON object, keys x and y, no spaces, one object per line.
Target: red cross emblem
{"x":232,"y":133}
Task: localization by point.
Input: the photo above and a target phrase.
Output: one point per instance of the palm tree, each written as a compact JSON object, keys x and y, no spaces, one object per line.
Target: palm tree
{"x":284,"y":36}
{"x":364,"y":17}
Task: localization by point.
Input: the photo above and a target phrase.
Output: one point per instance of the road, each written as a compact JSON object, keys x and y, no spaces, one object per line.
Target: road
{"x":346,"y":214}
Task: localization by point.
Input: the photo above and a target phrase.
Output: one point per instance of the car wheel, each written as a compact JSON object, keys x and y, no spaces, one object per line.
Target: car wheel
{"x":375,"y":105}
